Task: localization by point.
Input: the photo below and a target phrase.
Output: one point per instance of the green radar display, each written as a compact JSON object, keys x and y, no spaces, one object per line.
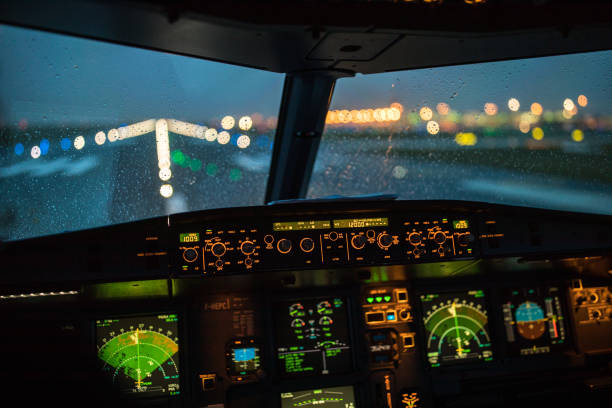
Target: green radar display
{"x":140,"y":354}
{"x":456,"y":327}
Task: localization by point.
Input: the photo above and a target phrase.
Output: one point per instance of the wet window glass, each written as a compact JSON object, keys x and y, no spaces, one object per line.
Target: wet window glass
{"x":531,"y":132}
{"x":94,"y":134}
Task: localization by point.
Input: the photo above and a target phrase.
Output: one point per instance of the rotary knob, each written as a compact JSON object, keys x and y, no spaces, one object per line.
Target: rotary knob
{"x":415,"y":238}
{"x":190,"y":254}
{"x":247,"y":247}
{"x":218,"y":249}
{"x":439,"y":237}
{"x":284,"y":246}
{"x":385,"y":240}
{"x":306,"y":244}
{"x":358,"y":241}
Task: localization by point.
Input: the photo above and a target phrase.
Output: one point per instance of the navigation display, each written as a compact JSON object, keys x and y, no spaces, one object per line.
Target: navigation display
{"x":456,"y":327}
{"x":333,"y":397}
{"x":533,"y":319}
{"x":243,"y":356}
{"x":140,"y":354}
{"x":312,"y":336}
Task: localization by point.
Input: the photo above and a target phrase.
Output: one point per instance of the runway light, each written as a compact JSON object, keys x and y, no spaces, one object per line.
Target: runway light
{"x":35,"y":152}
{"x":567,"y":114}
{"x":577,"y":135}
{"x":166,"y":190}
{"x":582,"y":100}
{"x":568,"y":105}
{"x":243,"y":141}
{"x":513,"y":104}
{"x":235,"y":175}
{"x":536,"y":109}
{"x":65,"y":144}
{"x":165,"y":174}
{"x":138,"y":129}
{"x":426,"y":113}
{"x":100,"y":138}
{"x":537,"y":133}
{"x":466,"y":139}
{"x":113,"y":135}
{"x":19,"y":149}
{"x":163,"y":143}
{"x":210,"y":134}
{"x":432,"y":127}
{"x":490,"y":108}
{"x":44,"y":146}
{"x":398,"y":106}
{"x":211,"y":169}
{"x":524,"y":126}
{"x":228,"y":122}
{"x":223,"y":137}
{"x":443,"y":108}
{"x":399,"y":172}
{"x":79,"y":142}
{"x":245,"y":123}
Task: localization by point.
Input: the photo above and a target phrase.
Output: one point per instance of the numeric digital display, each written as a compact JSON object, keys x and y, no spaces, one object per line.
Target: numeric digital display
{"x":312,"y":336}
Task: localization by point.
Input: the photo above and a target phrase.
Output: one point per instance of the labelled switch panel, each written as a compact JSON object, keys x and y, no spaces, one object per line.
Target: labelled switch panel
{"x":592,"y":313}
{"x":386,"y":305}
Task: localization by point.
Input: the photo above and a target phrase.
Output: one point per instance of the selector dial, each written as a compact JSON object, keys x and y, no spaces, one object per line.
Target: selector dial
{"x":218,"y":249}
{"x":190,"y":254}
{"x":439,"y":237}
{"x":358,"y":241}
{"x":385,"y":240}
{"x":284,"y":245}
{"x":415,"y":238}
{"x":307,"y":244}
{"x":247,"y":247}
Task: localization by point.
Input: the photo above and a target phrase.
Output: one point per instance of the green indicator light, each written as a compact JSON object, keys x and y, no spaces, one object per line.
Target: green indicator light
{"x":211,"y":169}
{"x":235,"y":175}
{"x":195,"y":165}
{"x":387,"y":298}
{"x":178,"y":157}
{"x":379,"y":299}
{"x":370,"y":299}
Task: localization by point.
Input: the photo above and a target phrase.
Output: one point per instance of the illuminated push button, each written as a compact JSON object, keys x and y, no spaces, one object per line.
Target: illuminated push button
{"x":248,"y":262}
{"x":218,"y":249}
{"x":404,"y":314}
{"x":415,"y":238}
{"x":333,"y":236}
{"x":307,"y":244}
{"x":439,"y":237}
{"x":358,"y":241}
{"x":247,"y":247}
{"x":284,"y":246}
{"x":385,"y":240}
{"x":190,"y":255}
{"x":219,"y":263}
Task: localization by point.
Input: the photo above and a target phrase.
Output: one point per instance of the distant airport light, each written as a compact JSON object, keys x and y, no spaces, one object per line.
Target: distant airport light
{"x":44,"y":146}
{"x":184,"y":128}
{"x":398,"y":106}
{"x":537,"y":133}
{"x":399,"y":172}
{"x":79,"y":142}
{"x":514,"y":104}
{"x":35,"y":152}
{"x":490,"y":108}
{"x":228,"y":122}
{"x":19,"y":149}
{"x":426,"y":113}
{"x":163,"y":143}
{"x":165,"y":174}
{"x":113,"y":135}
{"x":568,"y":105}
{"x":582,"y":100}
{"x":361,"y":116}
{"x":577,"y":135}
{"x":210,"y":134}
{"x":443,"y":108}
{"x":524,"y":126}
{"x":536,"y":109}
{"x":65,"y":143}
{"x":466,"y":139}
{"x":166,"y":190}
{"x":223,"y":137}
{"x":432,"y":127}
{"x":100,"y":138}
{"x":245,"y":123}
{"x":243,"y":141}
{"x":138,"y":129}
{"x":567,"y":114}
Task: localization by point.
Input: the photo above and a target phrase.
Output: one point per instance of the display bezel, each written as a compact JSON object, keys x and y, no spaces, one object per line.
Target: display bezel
{"x":351,"y":386}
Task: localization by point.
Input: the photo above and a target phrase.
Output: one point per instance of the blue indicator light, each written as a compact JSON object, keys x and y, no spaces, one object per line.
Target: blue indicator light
{"x":19,"y":149}
{"x":65,"y":143}
{"x":244,"y":354}
{"x":391,"y":316}
{"x":44,"y":146}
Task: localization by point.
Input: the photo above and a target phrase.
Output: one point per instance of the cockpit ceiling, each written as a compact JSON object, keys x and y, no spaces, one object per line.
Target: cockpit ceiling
{"x":356,"y":37}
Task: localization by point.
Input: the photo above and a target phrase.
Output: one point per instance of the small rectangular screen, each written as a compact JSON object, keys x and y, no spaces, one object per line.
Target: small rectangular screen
{"x":140,"y":354}
{"x":301,"y":225}
{"x":189,"y":237}
{"x":456,"y":327}
{"x":312,"y":336}
{"x":362,"y":222}
{"x":245,"y":360}
{"x":461,"y":224}
{"x":333,"y":397}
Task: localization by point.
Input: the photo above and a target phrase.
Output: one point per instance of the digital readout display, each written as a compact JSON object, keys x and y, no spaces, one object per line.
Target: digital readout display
{"x":362,"y":222}
{"x":461,"y":224}
{"x":301,"y":225}
{"x":189,"y":237}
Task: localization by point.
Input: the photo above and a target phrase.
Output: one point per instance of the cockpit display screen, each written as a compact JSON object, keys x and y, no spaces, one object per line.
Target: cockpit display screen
{"x":533,"y":320}
{"x":456,"y":327}
{"x":312,"y":336}
{"x":333,"y":397}
{"x":140,"y":354}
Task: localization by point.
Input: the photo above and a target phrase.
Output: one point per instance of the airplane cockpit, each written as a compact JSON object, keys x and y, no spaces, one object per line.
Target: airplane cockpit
{"x":309,"y":204}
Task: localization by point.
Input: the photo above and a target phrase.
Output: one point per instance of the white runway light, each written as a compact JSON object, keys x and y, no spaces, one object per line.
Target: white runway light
{"x":137,"y":129}
{"x":163,"y":143}
{"x":243,"y":141}
{"x":35,"y":152}
{"x":245,"y":123}
{"x":223,"y":138}
{"x":166,"y":191}
{"x":165,"y":174}
{"x":100,"y":138}
{"x":113,"y":135}
{"x":79,"y":142}
{"x":228,"y":122}
{"x":210,"y":134}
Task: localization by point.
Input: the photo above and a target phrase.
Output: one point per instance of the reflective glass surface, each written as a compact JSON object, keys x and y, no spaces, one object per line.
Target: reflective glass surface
{"x":532,"y":132}
{"x":94,"y":134}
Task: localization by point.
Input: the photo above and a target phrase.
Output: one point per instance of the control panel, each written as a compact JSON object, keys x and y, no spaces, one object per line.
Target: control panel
{"x":335,"y":240}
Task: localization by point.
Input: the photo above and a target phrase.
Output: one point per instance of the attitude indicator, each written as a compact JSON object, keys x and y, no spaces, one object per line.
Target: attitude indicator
{"x":456,"y":327}
{"x":140,"y":354}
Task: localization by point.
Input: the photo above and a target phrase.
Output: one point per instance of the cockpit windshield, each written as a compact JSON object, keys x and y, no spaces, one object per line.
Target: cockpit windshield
{"x":533,"y":132}
{"x":93,"y":133}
